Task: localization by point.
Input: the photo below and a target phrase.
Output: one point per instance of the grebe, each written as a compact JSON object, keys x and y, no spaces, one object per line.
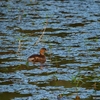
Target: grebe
{"x":38,"y":58}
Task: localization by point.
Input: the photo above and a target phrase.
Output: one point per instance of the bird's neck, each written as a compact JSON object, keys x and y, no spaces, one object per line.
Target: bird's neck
{"x":41,"y":53}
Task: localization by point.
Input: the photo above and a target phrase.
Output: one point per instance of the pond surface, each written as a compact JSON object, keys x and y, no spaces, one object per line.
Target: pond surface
{"x":71,"y":34}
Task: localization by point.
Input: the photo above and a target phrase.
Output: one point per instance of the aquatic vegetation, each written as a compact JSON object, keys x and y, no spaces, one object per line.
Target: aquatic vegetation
{"x":43,"y":32}
{"x":77,"y":79}
{"x":20,"y":40}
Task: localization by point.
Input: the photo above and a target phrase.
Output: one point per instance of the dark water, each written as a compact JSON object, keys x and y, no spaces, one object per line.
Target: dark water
{"x":72,"y":38}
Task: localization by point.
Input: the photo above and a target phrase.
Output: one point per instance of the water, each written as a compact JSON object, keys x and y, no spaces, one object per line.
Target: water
{"x":72,"y":38}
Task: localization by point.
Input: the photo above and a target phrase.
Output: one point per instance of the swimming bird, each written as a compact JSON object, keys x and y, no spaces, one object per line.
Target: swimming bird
{"x":38,"y":58}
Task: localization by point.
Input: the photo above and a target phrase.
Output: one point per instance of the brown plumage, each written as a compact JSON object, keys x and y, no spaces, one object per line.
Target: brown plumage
{"x":38,"y":58}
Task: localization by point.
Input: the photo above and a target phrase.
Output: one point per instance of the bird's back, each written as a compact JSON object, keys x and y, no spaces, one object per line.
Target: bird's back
{"x":37,"y":58}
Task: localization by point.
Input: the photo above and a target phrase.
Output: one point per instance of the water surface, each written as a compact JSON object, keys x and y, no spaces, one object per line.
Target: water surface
{"x":72,"y":38}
